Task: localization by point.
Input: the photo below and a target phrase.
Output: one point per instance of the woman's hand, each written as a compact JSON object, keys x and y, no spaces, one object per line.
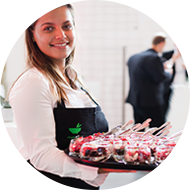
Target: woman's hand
{"x":107,"y":170}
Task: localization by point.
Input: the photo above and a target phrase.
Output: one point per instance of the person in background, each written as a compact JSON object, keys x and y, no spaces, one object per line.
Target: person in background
{"x":49,"y":98}
{"x":148,"y":75}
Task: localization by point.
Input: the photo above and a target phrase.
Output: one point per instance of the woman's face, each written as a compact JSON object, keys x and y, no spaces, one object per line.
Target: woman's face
{"x":54,"y":34}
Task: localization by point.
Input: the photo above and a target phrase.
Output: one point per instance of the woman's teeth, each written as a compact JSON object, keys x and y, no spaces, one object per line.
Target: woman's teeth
{"x":60,"y":45}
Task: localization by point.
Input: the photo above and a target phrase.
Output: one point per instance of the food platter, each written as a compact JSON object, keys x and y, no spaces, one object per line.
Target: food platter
{"x":172,"y":164}
{"x":124,"y":147}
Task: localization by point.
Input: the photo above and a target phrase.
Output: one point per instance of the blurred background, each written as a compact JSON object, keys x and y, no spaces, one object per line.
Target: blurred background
{"x":108,"y":34}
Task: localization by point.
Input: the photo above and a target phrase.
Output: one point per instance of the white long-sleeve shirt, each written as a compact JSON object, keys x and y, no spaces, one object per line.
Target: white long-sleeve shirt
{"x":32,"y":104}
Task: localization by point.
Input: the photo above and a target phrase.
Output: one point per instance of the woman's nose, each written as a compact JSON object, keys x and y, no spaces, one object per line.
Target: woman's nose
{"x":60,"y":34}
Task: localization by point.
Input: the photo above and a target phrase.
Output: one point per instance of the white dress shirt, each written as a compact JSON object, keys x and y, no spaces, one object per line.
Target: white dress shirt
{"x":32,"y":104}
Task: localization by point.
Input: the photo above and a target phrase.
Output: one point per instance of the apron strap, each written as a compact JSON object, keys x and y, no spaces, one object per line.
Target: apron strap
{"x":89,"y":95}
{"x":63,"y":103}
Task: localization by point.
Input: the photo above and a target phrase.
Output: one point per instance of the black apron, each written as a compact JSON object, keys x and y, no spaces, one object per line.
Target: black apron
{"x":70,"y":122}
{"x":90,"y":120}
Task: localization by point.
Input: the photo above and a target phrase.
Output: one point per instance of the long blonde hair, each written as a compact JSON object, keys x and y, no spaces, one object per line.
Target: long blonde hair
{"x":36,"y":58}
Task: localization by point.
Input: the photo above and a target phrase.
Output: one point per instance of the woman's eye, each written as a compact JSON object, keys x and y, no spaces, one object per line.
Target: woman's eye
{"x":49,"y":28}
{"x":67,"y":27}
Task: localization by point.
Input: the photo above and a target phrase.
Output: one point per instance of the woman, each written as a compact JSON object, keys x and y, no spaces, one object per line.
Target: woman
{"x":48,"y":99}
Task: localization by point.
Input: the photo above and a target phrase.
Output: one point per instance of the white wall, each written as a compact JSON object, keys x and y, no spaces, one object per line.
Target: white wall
{"x":104,"y":28}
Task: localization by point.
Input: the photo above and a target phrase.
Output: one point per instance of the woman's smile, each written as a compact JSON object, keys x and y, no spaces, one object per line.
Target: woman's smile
{"x":60,"y":45}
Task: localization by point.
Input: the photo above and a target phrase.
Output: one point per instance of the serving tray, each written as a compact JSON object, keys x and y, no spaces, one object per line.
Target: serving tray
{"x":112,"y":164}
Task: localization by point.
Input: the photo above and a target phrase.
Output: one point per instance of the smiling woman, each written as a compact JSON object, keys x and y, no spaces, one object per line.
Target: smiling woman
{"x":55,"y":37}
{"x":45,"y":101}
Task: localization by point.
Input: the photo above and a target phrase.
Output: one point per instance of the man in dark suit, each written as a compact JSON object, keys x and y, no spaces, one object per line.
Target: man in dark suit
{"x":147,"y":83}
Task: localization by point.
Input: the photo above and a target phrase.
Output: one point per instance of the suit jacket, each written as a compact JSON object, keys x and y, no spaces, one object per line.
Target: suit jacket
{"x":147,"y":78}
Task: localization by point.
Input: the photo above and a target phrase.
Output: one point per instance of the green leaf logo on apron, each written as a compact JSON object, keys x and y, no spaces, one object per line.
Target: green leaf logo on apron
{"x":75,"y":130}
